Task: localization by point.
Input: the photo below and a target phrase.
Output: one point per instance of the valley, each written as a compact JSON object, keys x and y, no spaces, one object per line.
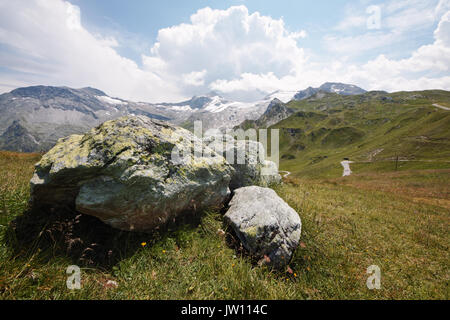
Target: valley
{"x":368,"y":128}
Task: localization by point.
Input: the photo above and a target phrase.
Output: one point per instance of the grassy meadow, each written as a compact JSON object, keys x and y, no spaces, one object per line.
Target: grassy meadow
{"x":398,"y":220}
{"x":374,"y":129}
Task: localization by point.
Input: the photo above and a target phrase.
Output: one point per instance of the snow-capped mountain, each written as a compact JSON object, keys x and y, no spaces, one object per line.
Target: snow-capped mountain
{"x":213,"y":110}
{"x":341,"y":88}
{"x":330,"y":87}
{"x":211,"y":102}
{"x":34,"y":118}
{"x":226,"y":115}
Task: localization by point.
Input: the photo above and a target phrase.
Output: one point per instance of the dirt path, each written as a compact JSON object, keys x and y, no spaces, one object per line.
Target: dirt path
{"x":286,"y":173}
{"x":441,"y":107}
{"x":401,"y":160}
{"x":347,"y":170}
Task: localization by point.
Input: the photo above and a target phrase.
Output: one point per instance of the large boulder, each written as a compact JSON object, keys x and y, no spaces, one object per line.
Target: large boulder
{"x":124,"y":172}
{"x":266,"y":225}
{"x":247,"y":158}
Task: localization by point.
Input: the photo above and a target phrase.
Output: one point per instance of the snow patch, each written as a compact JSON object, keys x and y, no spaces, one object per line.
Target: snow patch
{"x":110,"y":100}
{"x":218,"y":105}
{"x":180,"y":108}
{"x":283,"y":96}
{"x":336,"y":90}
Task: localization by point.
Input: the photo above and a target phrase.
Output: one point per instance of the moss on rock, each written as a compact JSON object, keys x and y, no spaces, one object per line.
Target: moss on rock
{"x":122,"y":172}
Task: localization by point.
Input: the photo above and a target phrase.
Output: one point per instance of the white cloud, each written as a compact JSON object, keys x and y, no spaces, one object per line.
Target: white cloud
{"x":428,"y":58}
{"x":298,"y":35}
{"x":398,"y":21}
{"x":251,"y":53}
{"x":229,"y":44}
{"x":73,"y":20}
{"x":442,"y":33}
{"x":45,"y":43}
{"x":352,"y":21}
{"x":427,"y":67}
{"x":405,"y":16}
{"x":442,"y":7}
{"x":358,"y":44}
{"x":195,"y":78}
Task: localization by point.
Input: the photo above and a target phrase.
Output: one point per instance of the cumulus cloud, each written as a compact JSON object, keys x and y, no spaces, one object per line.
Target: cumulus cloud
{"x":249,"y":54}
{"x":229,"y":44}
{"x":195,"y":78}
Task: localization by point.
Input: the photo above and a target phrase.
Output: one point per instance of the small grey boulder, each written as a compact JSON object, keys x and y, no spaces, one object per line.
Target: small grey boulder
{"x":248,"y":160}
{"x":266,"y":225}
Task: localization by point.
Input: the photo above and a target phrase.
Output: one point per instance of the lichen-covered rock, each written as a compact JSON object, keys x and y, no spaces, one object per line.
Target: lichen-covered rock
{"x":266,"y":225}
{"x":124,"y":173}
{"x":247,"y":158}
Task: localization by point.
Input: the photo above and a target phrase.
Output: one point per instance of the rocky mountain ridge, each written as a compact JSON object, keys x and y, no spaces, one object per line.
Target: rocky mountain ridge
{"x":330,"y":87}
{"x":34,"y":118}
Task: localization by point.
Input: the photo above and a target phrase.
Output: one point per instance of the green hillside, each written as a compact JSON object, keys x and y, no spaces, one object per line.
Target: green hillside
{"x":374,"y":127}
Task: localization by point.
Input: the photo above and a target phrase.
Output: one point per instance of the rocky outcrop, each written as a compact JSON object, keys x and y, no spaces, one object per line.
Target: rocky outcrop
{"x":266,"y":225}
{"x":17,"y":138}
{"x":276,"y":111}
{"x":247,"y":158}
{"x":124,"y":172}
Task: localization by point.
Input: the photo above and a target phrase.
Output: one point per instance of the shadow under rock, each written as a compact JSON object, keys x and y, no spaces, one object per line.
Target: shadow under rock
{"x":84,"y":239}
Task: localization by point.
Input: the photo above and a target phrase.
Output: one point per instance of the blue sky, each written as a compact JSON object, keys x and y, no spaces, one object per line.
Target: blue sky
{"x":141,"y":20}
{"x":170,"y":50}
{"x":144,"y":18}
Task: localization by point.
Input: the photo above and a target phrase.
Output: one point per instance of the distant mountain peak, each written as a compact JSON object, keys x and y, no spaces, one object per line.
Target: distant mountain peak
{"x":341,"y":88}
{"x":330,"y":87}
{"x":274,"y":102}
